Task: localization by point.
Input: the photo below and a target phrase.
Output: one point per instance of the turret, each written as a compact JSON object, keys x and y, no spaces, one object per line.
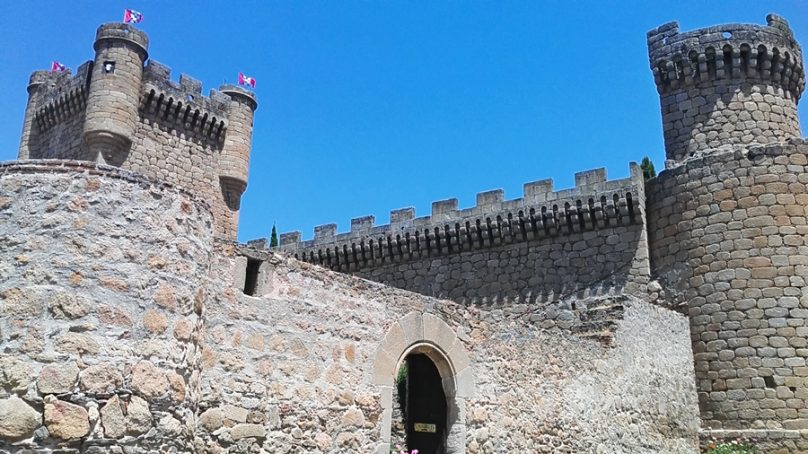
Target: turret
{"x":38,"y":82}
{"x":235,"y":158}
{"x":112,"y":104}
{"x":726,"y":85}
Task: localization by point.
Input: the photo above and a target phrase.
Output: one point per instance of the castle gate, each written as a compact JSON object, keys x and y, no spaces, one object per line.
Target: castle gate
{"x":442,"y":380}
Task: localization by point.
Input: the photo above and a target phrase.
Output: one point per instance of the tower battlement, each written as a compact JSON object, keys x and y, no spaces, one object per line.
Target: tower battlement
{"x":731,"y":51}
{"x":181,"y":105}
{"x":594,"y":203}
{"x":123,"y":109}
{"x":735,"y":84}
{"x":61,"y":95}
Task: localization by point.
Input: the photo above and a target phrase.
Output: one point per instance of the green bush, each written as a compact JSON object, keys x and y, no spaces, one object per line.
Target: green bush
{"x":732,"y":447}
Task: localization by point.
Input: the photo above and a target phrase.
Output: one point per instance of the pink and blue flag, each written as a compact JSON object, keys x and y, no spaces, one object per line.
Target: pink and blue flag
{"x":57,"y":67}
{"x":244,"y":80}
{"x":131,"y":16}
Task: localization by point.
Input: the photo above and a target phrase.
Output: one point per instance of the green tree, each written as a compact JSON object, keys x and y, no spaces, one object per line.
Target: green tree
{"x":273,"y":238}
{"x":647,"y":167}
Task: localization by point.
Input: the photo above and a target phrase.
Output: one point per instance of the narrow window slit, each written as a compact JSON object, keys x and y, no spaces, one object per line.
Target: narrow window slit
{"x":251,"y":276}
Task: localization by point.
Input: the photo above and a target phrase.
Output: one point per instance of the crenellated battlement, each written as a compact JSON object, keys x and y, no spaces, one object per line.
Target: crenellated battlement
{"x":726,"y":85}
{"x":732,"y":51}
{"x":59,"y":95}
{"x":180,"y":105}
{"x":594,"y":203}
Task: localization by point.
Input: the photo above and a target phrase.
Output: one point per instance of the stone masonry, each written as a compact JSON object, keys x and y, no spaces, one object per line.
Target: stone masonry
{"x":619,"y":316}
{"x":120,"y":110}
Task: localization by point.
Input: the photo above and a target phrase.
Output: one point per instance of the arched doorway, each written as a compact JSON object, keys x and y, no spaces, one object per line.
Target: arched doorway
{"x":423,"y":404}
{"x":446,"y":377}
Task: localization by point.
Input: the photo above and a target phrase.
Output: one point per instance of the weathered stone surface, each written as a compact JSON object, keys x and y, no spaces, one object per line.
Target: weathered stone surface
{"x":353,"y":418}
{"x":77,"y":344}
{"x":57,"y":378}
{"x":102,"y":378}
{"x":19,"y":302}
{"x":177,"y":386}
{"x":66,"y":305}
{"x":170,"y":426}
{"x":183,"y":330}
{"x":15,"y":375}
{"x":148,"y":380}
{"x":65,"y":420}
{"x":240,"y":431}
{"x":211,"y":419}
{"x":155,"y":322}
{"x":234,"y":413}
{"x":323,"y":441}
{"x":113,"y":419}
{"x":165,"y":297}
{"x":17,"y":418}
{"x":138,"y":416}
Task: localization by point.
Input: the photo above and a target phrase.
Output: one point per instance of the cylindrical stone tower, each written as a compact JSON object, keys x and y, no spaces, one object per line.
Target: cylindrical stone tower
{"x":235,"y":158}
{"x":726,"y":85}
{"x":728,"y":224}
{"x":112,"y":103}
{"x":102,"y":322}
{"x":39,"y":79}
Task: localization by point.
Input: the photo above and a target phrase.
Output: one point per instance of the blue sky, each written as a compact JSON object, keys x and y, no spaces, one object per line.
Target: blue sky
{"x":370,"y":106}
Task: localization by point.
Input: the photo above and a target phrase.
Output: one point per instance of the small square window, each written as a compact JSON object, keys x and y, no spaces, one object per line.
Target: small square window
{"x":109,"y":67}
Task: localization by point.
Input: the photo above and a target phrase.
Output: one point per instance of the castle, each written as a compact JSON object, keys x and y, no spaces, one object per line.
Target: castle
{"x":619,"y":316}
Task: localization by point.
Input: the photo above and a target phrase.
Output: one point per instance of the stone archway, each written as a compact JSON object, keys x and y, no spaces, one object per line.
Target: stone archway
{"x":428,"y":335}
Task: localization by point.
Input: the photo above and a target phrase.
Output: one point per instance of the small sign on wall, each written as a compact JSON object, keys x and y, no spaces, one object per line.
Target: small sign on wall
{"x":425,"y":427}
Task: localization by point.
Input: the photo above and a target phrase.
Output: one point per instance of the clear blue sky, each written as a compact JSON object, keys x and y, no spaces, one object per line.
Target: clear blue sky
{"x":370,"y":106}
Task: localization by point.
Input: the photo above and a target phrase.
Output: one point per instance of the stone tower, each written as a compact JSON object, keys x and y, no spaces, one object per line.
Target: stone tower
{"x":235,"y":158}
{"x":114,"y":92}
{"x":122,"y":111}
{"x":726,"y":85}
{"x":728,"y":222}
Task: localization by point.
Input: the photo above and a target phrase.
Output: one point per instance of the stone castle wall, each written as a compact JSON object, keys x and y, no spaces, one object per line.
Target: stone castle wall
{"x":102,"y":281}
{"x":115,"y":337}
{"x":542,"y":248}
{"x":728,"y":238}
{"x":307,"y":365}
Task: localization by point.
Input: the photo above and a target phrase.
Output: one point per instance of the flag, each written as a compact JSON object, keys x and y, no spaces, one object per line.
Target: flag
{"x":131,"y":16}
{"x":244,"y":80}
{"x":57,"y":67}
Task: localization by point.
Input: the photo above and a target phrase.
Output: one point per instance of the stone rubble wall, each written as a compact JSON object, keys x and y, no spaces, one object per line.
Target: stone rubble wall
{"x":291,"y":370}
{"x":103,"y":278}
{"x":117,"y":338}
{"x":728,"y":238}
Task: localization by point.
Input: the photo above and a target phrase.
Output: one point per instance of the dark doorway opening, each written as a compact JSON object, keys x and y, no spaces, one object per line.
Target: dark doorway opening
{"x":425,"y":412}
{"x":251,"y":277}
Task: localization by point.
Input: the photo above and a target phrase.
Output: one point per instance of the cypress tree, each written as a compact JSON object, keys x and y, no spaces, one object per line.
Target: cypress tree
{"x":647,"y":168}
{"x":273,"y":238}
